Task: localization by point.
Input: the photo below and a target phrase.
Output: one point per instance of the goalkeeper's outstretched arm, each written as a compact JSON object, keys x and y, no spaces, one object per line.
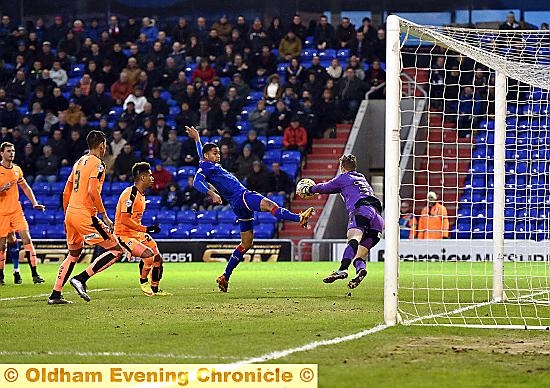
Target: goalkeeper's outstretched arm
{"x":334,"y":186}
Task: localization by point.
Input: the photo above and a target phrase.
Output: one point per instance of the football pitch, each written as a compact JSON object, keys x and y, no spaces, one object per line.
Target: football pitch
{"x":272,"y":313}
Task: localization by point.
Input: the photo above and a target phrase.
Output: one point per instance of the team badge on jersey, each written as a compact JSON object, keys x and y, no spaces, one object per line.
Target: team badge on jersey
{"x":128,"y":203}
{"x":100,"y":167}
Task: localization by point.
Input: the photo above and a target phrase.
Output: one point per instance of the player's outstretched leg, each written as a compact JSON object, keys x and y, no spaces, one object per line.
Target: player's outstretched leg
{"x":257,"y":202}
{"x":354,"y":236}
{"x":103,"y":262}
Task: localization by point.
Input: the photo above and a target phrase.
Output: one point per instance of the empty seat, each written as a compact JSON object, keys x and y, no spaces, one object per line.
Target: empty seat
{"x":200,"y":231}
{"x":186,"y":217}
{"x":275,"y":143}
{"x":166,"y":217}
{"x":272,"y":156}
{"x":291,"y":157}
{"x":207,"y":217}
{"x":264,"y":231}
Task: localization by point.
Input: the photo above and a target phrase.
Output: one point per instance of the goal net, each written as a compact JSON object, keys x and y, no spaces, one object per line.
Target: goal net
{"x":467,"y":181}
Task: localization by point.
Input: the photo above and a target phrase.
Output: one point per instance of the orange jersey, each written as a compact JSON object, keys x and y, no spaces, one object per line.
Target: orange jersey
{"x":9,"y":199}
{"x":132,"y":202}
{"x":433,"y":222}
{"x":86,"y":168}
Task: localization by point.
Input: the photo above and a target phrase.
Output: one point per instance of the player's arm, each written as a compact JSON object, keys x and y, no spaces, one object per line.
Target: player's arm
{"x":30,"y":195}
{"x":127,"y":220}
{"x":333,"y":186}
{"x":194,"y":134}
{"x":94,"y":191}
{"x":67,"y":191}
{"x":202,"y":186}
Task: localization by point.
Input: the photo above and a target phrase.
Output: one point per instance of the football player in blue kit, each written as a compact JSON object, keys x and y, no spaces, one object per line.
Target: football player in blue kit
{"x":215,"y":181}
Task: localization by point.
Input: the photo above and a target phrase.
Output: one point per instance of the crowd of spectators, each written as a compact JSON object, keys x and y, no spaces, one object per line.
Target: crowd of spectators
{"x":142,"y":82}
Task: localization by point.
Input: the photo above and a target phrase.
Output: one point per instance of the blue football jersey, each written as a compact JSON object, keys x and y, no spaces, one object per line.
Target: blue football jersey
{"x":227,"y":185}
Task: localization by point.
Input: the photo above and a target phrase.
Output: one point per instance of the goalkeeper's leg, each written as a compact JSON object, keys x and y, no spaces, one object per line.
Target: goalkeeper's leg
{"x":354,"y":236}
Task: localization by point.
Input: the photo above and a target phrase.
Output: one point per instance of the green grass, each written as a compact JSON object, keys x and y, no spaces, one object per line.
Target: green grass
{"x":270,"y":307}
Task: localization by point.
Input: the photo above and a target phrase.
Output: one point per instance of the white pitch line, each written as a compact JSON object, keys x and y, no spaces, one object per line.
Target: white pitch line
{"x":283,"y":353}
{"x":44,"y":295}
{"x":112,"y":354}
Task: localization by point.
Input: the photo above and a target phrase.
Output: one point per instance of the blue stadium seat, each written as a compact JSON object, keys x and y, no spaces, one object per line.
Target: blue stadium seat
{"x":77,"y":70}
{"x":272,"y":156}
{"x":118,"y":187}
{"x":46,"y":218}
{"x":291,"y":157}
{"x":188,"y":217}
{"x":149,"y":218}
{"x":41,"y":188}
{"x":264,"y":231}
{"x":57,"y":232}
{"x":266,"y":218}
{"x":239,"y":140}
{"x":166,"y":217}
{"x":153,"y":202}
{"x":220,"y":232}
{"x":207,"y":217}
{"x":328,"y":54}
{"x":180,"y":232}
{"x":275,"y":143}
{"x":245,"y":126}
{"x":57,"y":187}
{"x":39,"y":231}
{"x":200,"y":231}
{"x":64,"y":172}
{"x":343,"y":54}
{"x":277,"y":198}
{"x":215,"y":139}
{"x":308,"y":42}
{"x":291,"y":169}
{"x":308,"y":53}
{"x":227,"y":217}
{"x":185,"y":171}
{"x":52,"y":201}
{"x":171,"y":169}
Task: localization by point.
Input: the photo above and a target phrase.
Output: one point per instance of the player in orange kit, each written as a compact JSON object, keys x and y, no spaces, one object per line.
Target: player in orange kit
{"x":133,"y":236}
{"x":12,"y":218}
{"x":81,"y":203}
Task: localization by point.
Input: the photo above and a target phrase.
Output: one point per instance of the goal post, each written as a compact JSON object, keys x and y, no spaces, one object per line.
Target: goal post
{"x":483,"y":149}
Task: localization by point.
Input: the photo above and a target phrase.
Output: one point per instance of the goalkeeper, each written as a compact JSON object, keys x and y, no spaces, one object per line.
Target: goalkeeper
{"x":364,"y":213}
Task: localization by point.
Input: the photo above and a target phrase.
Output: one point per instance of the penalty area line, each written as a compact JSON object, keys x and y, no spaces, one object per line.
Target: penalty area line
{"x":312,"y":345}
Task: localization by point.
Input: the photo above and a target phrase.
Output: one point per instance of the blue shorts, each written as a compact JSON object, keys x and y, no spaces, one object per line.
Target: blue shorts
{"x":244,"y":208}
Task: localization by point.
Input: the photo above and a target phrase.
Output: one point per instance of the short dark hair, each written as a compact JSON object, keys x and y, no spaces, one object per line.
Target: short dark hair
{"x":207,"y":147}
{"x":349,"y":162}
{"x":140,"y":168}
{"x":95,"y":139}
{"x":5,"y":145}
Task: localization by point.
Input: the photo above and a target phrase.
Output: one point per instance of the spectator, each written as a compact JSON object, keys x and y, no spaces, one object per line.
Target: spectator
{"x":243,"y":164}
{"x":99,"y":102}
{"x":258,"y":179}
{"x":172,"y":196}
{"x":83,"y":127}
{"x":28,"y":162}
{"x":59,"y":147}
{"x":46,"y":82}
{"x":470,"y":108}
{"x":275,"y":31}
{"x":313,"y":86}
{"x":27,"y":129}
{"x":181,"y":32}
{"x":295,"y":136}
{"x":209,"y":120}
{"x":204,"y":71}
{"x":328,"y":113}
{"x":133,"y":71}
{"x":345,"y":33}
{"x":279,"y":120}
{"x":318,"y":69}
{"x":361,"y":47}
{"x":46,"y":56}
{"x":159,"y":106}
{"x":114,"y":29}
{"x":433,"y":222}
{"x":57,"y":30}
{"x":256,"y":146}
{"x":179,"y":86}
{"x":273,"y":90}
{"x":510,"y":23}
{"x":124,"y":163}
{"x":240,"y":86}
{"x":107,"y":75}
{"x":295,"y":69}
{"x":237,"y":42}
{"x":367,"y":30}
{"x":256,"y":37}
{"x":228,"y":120}
{"x":70,"y":45}
{"x":93,"y":30}
{"x":149,"y":29}
{"x":310,"y":121}
{"x":351,"y":92}
{"x":9,"y":116}
{"x":137,"y":98}
{"x":18,"y":89}
{"x":236,"y":103}
{"x":227,"y":160}
{"x":162,"y":129}
{"x":290,"y":47}
{"x":47,"y":166}
{"x":259,"y":118}
{"x":375,"y":76}
{"x":73,"y":113}
{"x":242,"y":25}
{"x":195,"y":50}
{"x":87,"y":85}
{"x":279,"y":181}
{"x":231,"y":144}
{"x":186,"y":117}
{"x":324,"y":36}
{"x":407,"y":222}
{"x":170,"y":150}
{"x":192,"y":198}
{"x":296,"y":26}
{"x":150,"y":149}
{"x":379,"y":45}
{"x":121,"y":89}
{"x":131,"y":30}
{"x":5,"y":135}
{"x":265,"y":64}
{"x":162,"y":178}
{"x":76,"y":146}
{"x":118,"y":143}
{"x":335,"y":71}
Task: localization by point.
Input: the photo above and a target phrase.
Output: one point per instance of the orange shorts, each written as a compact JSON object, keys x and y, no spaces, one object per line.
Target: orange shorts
{"x":136,"y":246}
{"x":82,"y":228}
{"x":13,"y":222}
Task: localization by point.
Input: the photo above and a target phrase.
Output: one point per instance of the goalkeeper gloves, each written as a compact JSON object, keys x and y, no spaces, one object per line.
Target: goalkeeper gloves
{"x":155,"y":228}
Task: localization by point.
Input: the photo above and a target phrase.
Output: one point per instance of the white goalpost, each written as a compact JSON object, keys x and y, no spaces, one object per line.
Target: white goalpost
{"x":483,"y":147}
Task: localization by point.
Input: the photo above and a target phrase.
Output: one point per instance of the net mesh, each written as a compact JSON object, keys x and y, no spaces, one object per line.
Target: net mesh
{"x":446,"y":273}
